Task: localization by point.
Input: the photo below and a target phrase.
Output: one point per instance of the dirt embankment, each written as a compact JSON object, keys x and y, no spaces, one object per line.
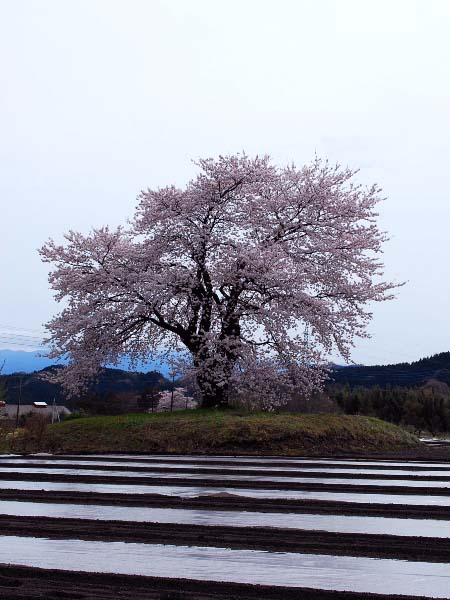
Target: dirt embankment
{"x":215,"y":432}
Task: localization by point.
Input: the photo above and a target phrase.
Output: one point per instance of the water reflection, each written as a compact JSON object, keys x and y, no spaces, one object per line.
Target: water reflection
{"x":260,"y":459}
{"x":294,"y":468}
{"x":334,"y":523}
{"x":192,"y":492}
{"x":225,"y":477}
{"x":356,"y":574}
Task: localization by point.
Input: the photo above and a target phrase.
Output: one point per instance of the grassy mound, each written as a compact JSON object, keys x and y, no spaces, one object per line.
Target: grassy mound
{"x":214,"y":432}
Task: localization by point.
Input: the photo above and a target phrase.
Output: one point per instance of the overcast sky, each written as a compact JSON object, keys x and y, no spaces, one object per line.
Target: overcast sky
{"x":101,"y":98}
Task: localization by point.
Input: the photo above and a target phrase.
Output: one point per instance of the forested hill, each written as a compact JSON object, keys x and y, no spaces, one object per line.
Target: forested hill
{"x":34,"y":386}
{"x":117,"y":381}
{"x":436,"y":367}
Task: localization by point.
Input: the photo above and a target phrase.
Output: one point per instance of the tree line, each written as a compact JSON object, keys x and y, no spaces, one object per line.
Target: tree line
{"x":423,"y":409}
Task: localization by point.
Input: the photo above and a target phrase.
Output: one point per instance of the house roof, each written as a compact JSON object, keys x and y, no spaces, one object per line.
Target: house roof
{"x":10,"y":410}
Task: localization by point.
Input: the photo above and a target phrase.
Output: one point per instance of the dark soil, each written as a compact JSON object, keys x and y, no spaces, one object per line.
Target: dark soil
{"x":237,"y":503}
{"x":442,"y":473}
{"x":26,"y":583}
{"x":250,"y":538}
{"x":231,"y":483}
{"x":38,"y":584}
{"x":427,"y":452}
{"x":424,"y":452}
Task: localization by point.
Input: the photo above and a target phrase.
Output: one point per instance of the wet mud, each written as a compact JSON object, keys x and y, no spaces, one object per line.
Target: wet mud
{"x":230,"y":503}
{"x":33,"y":583}
{"x":250,"y":538}
{"x":417,"y":473}
{"x":27,"y":583}
{"x":230,"y":483}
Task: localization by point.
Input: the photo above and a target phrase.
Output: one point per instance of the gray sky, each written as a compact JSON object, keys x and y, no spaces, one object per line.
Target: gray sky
{"x":100,"y":98}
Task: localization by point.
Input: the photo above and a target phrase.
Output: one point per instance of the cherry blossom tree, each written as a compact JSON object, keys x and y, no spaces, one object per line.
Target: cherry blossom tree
{"x":178,"y":400}
{"x":230,"y":270}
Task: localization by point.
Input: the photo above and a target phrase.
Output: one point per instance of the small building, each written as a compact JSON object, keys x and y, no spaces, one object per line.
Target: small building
{"x":10,"y":410}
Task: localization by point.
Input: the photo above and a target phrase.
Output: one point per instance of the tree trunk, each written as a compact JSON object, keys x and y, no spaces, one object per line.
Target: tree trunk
{"x":213,"y":375}
{"x":212,"y":394}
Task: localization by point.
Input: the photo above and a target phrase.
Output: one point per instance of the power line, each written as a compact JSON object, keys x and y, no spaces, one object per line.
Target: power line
{"x":15,"y":337}
{"x":24,"y":347}
{"x":22,"y":343}
{"x":25,"y":338}
{"x":18,"y":341}
{"x":16,"y":328}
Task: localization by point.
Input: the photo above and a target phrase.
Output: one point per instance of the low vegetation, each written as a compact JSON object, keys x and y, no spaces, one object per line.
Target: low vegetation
{"x":222,"y":432}
{"x":423,"y":410}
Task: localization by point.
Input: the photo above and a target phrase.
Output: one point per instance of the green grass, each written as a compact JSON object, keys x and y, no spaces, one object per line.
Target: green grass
{"x":4,"y":446}
{"x":227,"y":432}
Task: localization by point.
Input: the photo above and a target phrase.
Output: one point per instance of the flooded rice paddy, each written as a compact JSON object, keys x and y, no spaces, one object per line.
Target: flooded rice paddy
{"x":196,"y":459}
{"x":430,"y":482}
{"x":337,"y":469}
{"x":225,"y":526}
{"x":298,"y":521}
{"x":241,"y":566}
{"x":187,"y":491}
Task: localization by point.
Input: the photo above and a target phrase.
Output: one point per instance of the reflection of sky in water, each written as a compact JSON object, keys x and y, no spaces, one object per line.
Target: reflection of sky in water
{"x":192,"y":491}
{"x":222,"y":477}
{"x":254,"y":459}
{"x":336,"y":523}
{"x":242,"y":566}
{"x":167,"y":465}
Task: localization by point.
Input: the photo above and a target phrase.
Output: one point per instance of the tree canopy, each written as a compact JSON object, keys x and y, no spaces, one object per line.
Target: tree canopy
{"x":231,"y":269}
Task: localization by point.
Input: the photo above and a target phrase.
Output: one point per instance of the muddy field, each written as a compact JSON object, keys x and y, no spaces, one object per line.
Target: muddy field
{"x":196,"y":503}
{"x":33,"y":584}
{"x":278,"y":540}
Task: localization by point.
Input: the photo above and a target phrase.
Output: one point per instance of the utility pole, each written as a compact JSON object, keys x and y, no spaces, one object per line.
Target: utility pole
{"x":306,"y":340}
{"x":19,"y":402}
{"x":54,"y":411}
{"x":171,"y":396}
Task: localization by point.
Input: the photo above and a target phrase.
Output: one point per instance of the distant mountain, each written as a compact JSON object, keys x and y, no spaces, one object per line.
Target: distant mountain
{"x":27,"y":362}
{"x":430,"y":371}
{"x":418,"y":373}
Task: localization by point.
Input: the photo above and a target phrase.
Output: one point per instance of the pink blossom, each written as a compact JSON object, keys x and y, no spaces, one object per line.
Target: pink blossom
{"x":231,"y":270}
